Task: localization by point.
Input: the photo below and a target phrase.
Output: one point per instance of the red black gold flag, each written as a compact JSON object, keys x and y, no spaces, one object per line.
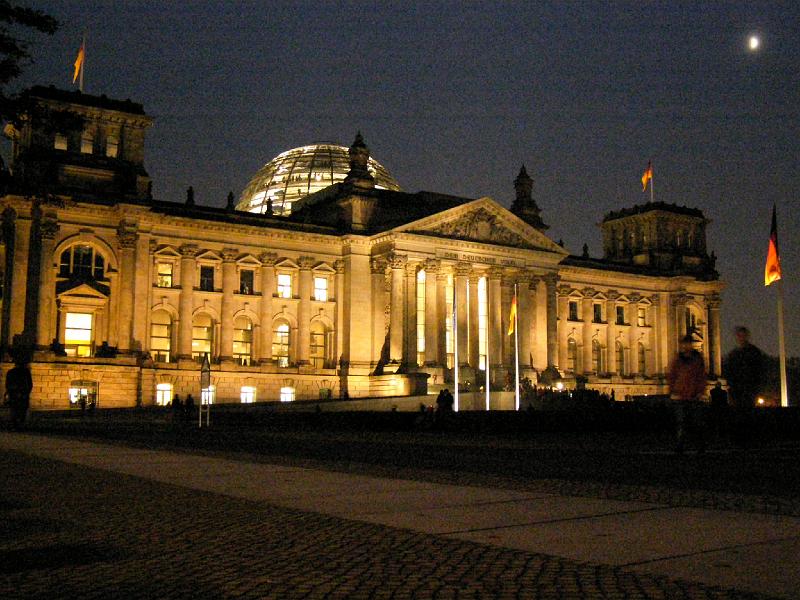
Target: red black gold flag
{"x":772,"y":270}
{"x":648,"y":175}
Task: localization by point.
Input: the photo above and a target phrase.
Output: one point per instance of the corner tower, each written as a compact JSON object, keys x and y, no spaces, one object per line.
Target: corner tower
{"x":524,"y":206}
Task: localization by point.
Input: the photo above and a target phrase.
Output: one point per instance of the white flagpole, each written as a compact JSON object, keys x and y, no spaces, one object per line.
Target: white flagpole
{"x":455,"y":346}
{"x":782,"y":346}
{"x":488,"y":335}
{"x":516,"y":350}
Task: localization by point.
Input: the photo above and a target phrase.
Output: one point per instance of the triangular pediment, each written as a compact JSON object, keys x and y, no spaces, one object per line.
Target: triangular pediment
{"x":83,"y":290}
{"x":483,"y":221}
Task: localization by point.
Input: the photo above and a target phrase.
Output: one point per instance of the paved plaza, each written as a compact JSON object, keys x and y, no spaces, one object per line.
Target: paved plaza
{"x":90,"y":520}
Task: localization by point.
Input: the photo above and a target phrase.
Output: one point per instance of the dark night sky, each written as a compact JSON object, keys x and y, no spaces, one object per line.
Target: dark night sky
{"x":453,"y":97}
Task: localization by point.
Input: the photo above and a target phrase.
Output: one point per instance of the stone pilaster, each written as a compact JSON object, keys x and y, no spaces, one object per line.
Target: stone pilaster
{"x":268,"y":260}
{"x":433,"y":328}
{"x":524,"y":318}
{"x":45,"y":327}
{"x":444,"y":315}
{"x":397,"y":264}
{"x":713,"y":303}
{"x":633,"y":345}
{"x":377,"y":267}
{"x":126,"y":239}
{"x":611,"y":331}
{"x":188,"y":278}
{"x":587,"y":314}
{"x":226,"y":313}
{"x":305,"y":286}
{"x":338,"y":283}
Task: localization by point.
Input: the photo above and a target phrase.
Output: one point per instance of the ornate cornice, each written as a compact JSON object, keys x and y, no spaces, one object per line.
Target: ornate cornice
{"x":377,"y":265}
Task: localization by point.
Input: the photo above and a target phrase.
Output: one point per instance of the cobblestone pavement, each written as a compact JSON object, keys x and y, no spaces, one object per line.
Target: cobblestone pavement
{"x":73,"y":532}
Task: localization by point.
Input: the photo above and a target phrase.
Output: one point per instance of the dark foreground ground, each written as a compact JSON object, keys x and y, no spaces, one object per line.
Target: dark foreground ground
{"x":579,"y":457}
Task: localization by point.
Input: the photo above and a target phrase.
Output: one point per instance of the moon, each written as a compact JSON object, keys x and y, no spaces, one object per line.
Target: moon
{"x":753,"y":43}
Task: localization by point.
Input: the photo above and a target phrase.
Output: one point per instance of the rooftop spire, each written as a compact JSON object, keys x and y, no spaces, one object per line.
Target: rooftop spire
{"x":524,"y":206}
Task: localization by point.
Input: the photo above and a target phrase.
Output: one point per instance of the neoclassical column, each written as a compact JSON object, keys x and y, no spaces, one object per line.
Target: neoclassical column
{"x":397,"y":263}
{"x":126,"y":238}
{"x":377,"y":267}
{"x":433,"y":327}
{"x":524,"y":318}
{"x":550,"y":282}
{"x":410,"y":341}
{"x":677,"y":321}
{"x":305,"y":286}
{"x":495,"y":291}
{"x":713,"y":303}
{"x":462,"y":318}
{"x":45,"y":327}
{"x":474,"y":305}
{"x":443,"y":316}
{"x":634,"y":335}
{"x":611,"y":331}
{"x":226,"y":317}
{"x":268,"y":260}
{"x":188,"y":278}
{"x":506,"y":296}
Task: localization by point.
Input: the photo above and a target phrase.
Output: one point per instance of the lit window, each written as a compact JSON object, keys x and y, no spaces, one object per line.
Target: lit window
{"x":620,"y":315}
{"x":165,"y":274}
{"x":242,"y":340}
{"x":246,"y":281}
{"x":321,"y":289}
{"x":83,"y":262}
{"x":83,"y":394}
{"x":572,"y":354}
{"x":284,"y":285}
{"x":641,"y":316}
{"x":208,"y":395}
{"x":597,"y":317}
{"x":60,"y":142}
{"x":202,"y":336}
{"x":573,"y":310}
{"x":160,"y":336}
{"x":421,"y":317}
{"x":207,"y":278}
{"x":163,"y":394}
{"x":248,"y":394}
{"x":87,"y":143}
{"x":319,"y":347}
{"x":280,"y":344}
{"x":78,"y":334}
{"x":112,"y":146}
{"x":287,"y":394}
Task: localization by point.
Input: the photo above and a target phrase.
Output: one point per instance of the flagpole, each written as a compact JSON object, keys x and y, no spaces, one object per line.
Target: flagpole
{"x":516,"y":351}
{"x":488,"y":335}
{"x":83,"y":64}
{"x":782,"y":346}
{"x":455,"y":346}
{"x":652,"y":184}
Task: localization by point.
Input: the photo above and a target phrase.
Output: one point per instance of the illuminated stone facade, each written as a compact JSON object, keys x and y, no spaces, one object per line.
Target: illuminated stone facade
{"x":360,"y":292}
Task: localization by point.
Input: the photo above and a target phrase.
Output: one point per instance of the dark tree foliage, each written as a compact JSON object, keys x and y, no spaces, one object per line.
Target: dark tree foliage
{"x":16,"y":24}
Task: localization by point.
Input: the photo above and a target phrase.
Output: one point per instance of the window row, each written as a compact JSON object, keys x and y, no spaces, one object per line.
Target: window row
{"x":598,"y":314}
{"x":600,"y":359}
{"x":285,"y":284}
{"x":248,"y":394}
{"x":86,"y":145}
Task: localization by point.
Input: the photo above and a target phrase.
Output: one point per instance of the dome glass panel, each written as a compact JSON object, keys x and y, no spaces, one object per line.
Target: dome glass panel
{"x":296,"y":173}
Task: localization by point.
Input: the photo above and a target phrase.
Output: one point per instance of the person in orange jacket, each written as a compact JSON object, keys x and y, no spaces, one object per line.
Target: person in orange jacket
{"x":687,"y":384}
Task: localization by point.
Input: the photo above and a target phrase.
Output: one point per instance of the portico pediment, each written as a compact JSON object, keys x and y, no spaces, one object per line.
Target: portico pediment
{"x":483,"y":221}
{"x":82,"y":291}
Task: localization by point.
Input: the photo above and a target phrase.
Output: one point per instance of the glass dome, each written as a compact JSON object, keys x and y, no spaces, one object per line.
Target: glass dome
{"x":301,"y":171}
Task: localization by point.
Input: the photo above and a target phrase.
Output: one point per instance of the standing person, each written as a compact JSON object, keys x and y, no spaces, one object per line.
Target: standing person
{"x":687,"y":382}
{"x":188,"y":407}
{"x":744,"y":371}
{"x":177,"y":408}
{"x":18,"y":390}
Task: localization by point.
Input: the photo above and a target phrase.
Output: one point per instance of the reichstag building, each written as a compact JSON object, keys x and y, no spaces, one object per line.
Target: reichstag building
{"x":324,"y":280}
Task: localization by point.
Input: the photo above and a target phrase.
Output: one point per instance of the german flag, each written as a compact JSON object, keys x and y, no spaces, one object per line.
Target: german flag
{"x":648,"y":175}
{"x":772,"y":270}
{"x":512,"y":318}
{"x":79,"y":61}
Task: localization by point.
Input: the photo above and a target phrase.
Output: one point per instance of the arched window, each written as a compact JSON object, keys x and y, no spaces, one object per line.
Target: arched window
{"x":642,"y":354}
{"x":597,"y":357}
{"x":619,"y":350}
{"x":160,"y":336}
{"x":82,"y":261}
{"x":572,"y":354}
{"x":319,"y":345}
{"x":202,"y":336}
{"x":280,"y":343}
{"x":243,"y":340}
